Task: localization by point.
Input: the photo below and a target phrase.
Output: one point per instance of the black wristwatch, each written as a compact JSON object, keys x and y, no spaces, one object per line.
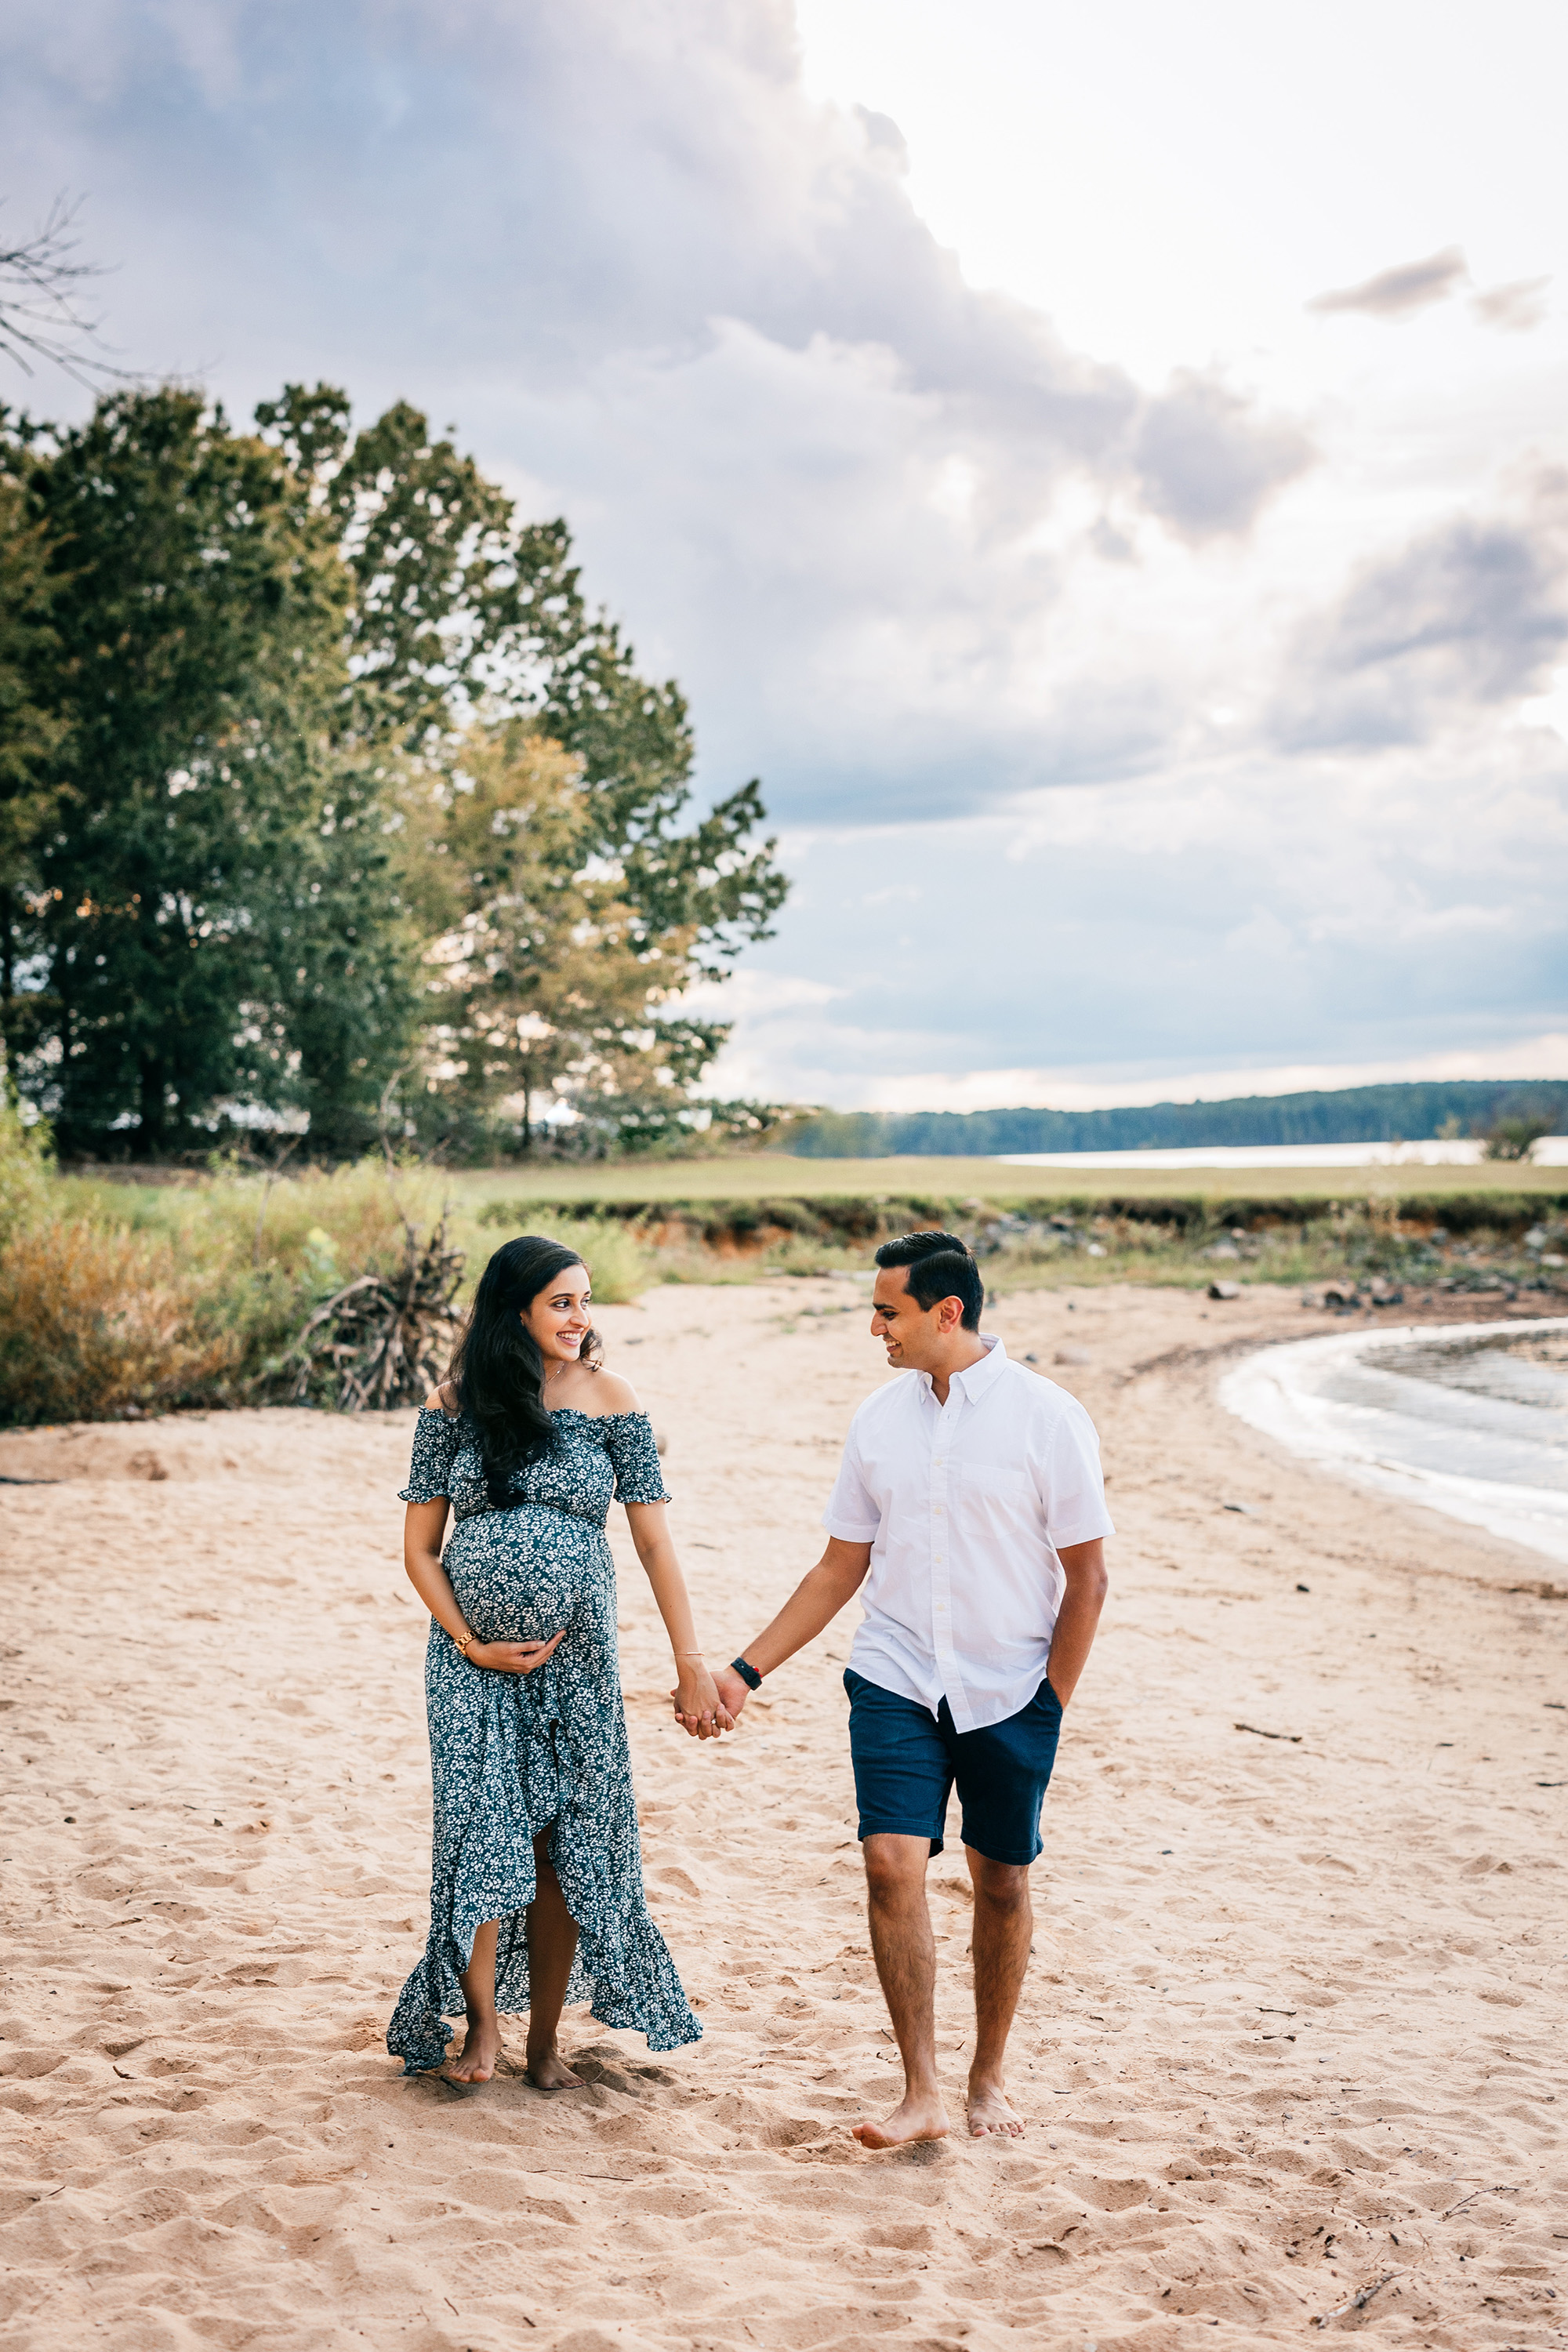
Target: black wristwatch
{"x":747,"y":1672}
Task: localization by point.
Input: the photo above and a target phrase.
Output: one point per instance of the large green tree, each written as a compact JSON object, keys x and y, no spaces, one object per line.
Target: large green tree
{"x":542,"y":983}
{"x":206,"y":925}
{"x":459,"y":606}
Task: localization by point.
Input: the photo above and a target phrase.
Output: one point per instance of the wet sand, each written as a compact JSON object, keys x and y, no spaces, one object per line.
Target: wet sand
{"x":1293,"y":2030}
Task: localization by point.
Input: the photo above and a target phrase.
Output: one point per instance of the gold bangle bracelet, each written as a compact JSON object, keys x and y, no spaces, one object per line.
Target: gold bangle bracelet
{"x":463,"y":1644}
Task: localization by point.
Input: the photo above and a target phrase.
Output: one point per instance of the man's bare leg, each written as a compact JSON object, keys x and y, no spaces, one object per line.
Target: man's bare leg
{"x":481,"y":2044}
{"x":1004,"y":1921}
{"x":905,"y":1952}
{"x":552,"y":1948}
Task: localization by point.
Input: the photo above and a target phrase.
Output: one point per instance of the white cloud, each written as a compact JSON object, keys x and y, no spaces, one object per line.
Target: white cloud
{"x":1545,"y":1057}
{"x":1401,"y":291}
{"x":1464,"y":619}
{"x":1516,"y":309}
{"x":1097,"y":933}
{"x":1551,"y":708}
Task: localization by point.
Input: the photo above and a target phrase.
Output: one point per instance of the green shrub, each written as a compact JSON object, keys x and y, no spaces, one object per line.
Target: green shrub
{"x":26,"y":1166}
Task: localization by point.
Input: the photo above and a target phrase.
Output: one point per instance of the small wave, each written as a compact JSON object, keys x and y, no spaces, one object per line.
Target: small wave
{"x":1470,"y":1419}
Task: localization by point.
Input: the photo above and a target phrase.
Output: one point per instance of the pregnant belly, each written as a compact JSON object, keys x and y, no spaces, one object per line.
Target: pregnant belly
{"x":523,"y":1575}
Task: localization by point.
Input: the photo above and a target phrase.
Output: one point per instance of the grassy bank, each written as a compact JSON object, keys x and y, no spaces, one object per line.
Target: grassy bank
{"x":129,"y":1298}
{"x":763,"y":1175}
{"x":1455,"y":1242}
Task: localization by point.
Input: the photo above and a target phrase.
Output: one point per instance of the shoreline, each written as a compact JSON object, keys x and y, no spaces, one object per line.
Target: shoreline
{"x":1287,"y":1391}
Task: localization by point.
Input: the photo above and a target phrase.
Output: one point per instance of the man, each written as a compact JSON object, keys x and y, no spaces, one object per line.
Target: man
{"x":971,"y":1490}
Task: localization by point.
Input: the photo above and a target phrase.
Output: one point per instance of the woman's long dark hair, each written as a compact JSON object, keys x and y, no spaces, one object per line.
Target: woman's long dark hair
{"x":497,"y":1370}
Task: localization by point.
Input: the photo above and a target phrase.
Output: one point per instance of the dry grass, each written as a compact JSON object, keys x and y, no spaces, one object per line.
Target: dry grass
{"x":122,"y":1299}
{"x":94,"y":1323}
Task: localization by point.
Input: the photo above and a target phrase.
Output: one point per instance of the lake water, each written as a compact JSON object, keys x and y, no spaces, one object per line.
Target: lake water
{"x":1552,"y":1151}
{"x":1470,"y":1419}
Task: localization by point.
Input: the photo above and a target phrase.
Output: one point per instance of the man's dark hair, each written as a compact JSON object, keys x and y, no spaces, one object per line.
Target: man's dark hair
{"x":940,"y":1266}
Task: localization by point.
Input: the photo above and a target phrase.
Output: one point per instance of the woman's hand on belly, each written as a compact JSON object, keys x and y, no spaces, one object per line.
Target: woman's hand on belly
{"x":513,"y":1657}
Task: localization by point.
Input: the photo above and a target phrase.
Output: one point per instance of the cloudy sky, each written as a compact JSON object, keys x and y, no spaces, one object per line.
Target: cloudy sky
{"x":1103,"y":469}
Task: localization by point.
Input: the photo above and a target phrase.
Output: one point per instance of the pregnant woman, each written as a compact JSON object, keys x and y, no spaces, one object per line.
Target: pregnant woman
{"x":536,"y":1895}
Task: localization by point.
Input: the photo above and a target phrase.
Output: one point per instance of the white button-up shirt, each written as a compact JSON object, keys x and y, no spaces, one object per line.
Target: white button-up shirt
{"x":965,"y":1506}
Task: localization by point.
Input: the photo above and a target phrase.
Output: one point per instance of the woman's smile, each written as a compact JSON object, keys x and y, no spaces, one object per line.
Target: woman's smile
{"x":559,"y":1320}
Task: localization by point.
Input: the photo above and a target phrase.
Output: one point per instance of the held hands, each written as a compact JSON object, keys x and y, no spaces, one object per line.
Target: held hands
{"x":698,"y":1709}
{"x":513,"y":1657}
{"x":732,"y":1693}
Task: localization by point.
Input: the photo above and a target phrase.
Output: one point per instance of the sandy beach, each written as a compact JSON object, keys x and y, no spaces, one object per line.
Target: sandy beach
{"x":1290,"y":2048}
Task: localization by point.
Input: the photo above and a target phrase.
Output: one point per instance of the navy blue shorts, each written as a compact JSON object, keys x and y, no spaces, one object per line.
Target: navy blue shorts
{"x":906,"y":1761}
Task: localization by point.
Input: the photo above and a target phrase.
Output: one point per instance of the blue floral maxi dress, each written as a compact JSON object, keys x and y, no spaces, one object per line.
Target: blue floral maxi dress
{"x":514,"y":1754}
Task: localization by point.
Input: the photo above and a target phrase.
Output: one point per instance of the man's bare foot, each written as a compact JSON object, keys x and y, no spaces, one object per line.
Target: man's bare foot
{"x":991,"y":2113}
{"x":481,"y":2048}
{"x":913,"y":2118}
{"x":550,"y":2071}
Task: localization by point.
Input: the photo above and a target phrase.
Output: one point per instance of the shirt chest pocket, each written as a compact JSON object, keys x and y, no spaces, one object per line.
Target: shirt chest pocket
{"x":992,"y":1490}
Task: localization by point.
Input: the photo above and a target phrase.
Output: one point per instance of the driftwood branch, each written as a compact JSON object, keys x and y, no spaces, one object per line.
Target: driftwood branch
{"x":381,"y":1340}
{"x":1502,"y":2189}
{"x":1358,"y":2302}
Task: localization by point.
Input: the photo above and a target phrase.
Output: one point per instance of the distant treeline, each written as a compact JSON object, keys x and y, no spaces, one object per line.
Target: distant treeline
{"x":1407,"y":1114}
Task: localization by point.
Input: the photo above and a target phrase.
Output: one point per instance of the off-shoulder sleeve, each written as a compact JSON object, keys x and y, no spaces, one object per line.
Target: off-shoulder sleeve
{"x":634,"y":1457}
{"x":435,"y":1451}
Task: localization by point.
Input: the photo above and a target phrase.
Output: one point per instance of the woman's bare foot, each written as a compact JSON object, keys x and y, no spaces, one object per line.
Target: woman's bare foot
{"x":481,"y":2049}
{"x":990,"y":2112}
{"x":916,"y":2117}
{"x":550,"y":2071}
